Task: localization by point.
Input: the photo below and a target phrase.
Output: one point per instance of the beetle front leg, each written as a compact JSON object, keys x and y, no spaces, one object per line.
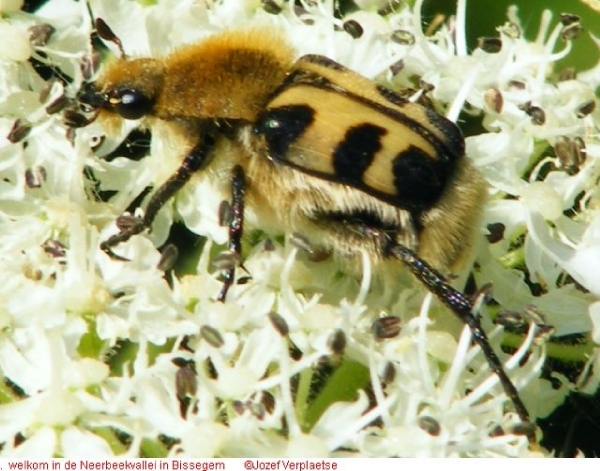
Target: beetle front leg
{"x":194,"y":161}
{"x":236,"y":226}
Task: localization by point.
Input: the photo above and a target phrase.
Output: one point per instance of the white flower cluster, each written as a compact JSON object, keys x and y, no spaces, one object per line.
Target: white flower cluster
{"x":102,"y":357}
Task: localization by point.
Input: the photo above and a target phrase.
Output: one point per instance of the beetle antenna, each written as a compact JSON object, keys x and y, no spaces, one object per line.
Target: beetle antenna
{"x":108,"y":34}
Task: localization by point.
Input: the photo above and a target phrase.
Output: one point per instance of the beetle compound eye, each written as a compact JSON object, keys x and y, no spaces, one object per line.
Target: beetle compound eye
{"x":129,"y":103}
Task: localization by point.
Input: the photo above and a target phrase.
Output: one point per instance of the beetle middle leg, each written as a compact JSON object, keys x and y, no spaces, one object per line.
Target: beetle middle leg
{"x":236,"y":227}
{"x":194,"y":161}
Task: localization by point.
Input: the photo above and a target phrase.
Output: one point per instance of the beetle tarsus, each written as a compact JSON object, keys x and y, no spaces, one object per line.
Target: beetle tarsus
{"x":123,"y":236}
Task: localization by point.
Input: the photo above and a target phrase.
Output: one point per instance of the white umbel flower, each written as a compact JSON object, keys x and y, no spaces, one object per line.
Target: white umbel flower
{"x":105,"y":357}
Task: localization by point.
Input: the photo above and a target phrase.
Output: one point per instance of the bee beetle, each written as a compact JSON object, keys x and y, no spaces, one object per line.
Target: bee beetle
{"x":311,"y":147}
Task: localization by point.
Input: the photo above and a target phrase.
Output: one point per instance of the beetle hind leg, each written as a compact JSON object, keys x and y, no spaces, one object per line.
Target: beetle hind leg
{"x":465,"y":308}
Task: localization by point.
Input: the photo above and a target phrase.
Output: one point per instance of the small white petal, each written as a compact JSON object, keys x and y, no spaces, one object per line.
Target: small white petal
{"x":41,"y":445}
{"x":595,"y":317}
{"x":14,"y":43}
{"x":306,"y":446}
{"x":78,"y":443}
{"x":10,"y":6}
{"x":205,"y":440}
{"x":541,"y":197}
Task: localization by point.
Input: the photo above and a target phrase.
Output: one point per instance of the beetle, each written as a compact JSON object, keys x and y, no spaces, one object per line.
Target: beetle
{"x":311,"y":147}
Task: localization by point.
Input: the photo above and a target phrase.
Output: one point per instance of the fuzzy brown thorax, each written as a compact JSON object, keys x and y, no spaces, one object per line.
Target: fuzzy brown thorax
{"x":229,"y":76}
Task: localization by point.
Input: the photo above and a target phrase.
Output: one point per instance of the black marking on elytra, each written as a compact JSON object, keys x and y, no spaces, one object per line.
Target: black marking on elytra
{"x":300,"y":76}
{"x":322,"y":60}
{"x":448,"y":149}
{"x":282,"y":126}
{"x":355,"y":154}
{"x":453,"y":139}
{"x":305,"y":77}
{"x":391,"y":96}
{"x":419,"y":180}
